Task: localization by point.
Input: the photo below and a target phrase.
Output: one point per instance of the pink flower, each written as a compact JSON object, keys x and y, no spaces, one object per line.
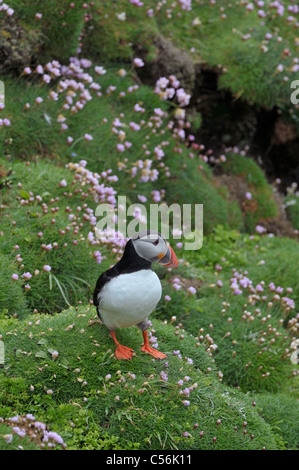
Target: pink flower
{"x":120,"y":147}
{"x":192,"y":290}
{"x":39,"y":69}
{"x":38,"y":16}
{"x":186,"y":403}
{"x":182,"y":97}
{"x":27,"y":70}
{"x":100,"y":70}
{"x":186,"y":5}
{"x":63,"y":183}
{"x":46,"y":78}
{"x":98,"y":256}
{"x":167,"y":298}
{"x":27,"y":276}
{"x":88,"y":137}
{"x":47,"y":268}
{"x":260,"y":229}
{"x":55,"y":354}
{"x":176,"y":286}
{"x":134,"y":126}
{"x":15,"y":277}
{"x":53,"y":95}
{"x":138,"y":62}
{"x":38,"y":100}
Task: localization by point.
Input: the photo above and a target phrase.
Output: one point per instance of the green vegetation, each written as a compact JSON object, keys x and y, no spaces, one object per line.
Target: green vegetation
{"x":111,"y":404}
{"x":100,"y":103}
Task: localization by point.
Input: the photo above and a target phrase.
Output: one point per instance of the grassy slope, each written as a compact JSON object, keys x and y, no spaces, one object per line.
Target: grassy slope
{"x":224,"y":35}
{"x":87,"y":414}
{"x":145,"y":415}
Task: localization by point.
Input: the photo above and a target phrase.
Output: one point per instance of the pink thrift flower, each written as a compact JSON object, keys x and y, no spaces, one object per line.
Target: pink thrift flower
{"x":138,"y":62}
{"x":186,"y":403}
{"x":15,"y":277}
{"x":47,"y":268}
{"x":46,"y":78}
{"x":39,"y":69}
{"x":99,"y":70}
{"x":260,"y":229}
{"x":176,"y":286}
{"x":27,"y":276}
{"x":121,"y":147}
{"x":88,"y":137}
{"x":192,"y":290}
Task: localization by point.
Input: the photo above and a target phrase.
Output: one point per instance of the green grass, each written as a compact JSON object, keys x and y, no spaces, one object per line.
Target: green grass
{"x":262,"y":206}
{"x":12,"y":298}
{"x":234,"y":346}
{"x":281,"y":411}
{"x":252,"y":336}
{"x":82,"y":393}
{"x":221,"y":42}
{"x":292,"y":207}
{"x":59,"y":27}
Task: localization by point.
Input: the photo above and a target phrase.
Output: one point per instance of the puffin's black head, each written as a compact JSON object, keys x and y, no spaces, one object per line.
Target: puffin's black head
{"x":153,"y":247}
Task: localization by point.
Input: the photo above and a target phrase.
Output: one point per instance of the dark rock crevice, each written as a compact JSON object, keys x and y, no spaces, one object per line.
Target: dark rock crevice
{"x":228,"y":122}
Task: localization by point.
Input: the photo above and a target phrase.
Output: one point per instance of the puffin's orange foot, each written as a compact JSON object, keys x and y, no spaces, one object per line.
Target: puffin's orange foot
{"x":153,"y":352}
{"x":122,"y":352}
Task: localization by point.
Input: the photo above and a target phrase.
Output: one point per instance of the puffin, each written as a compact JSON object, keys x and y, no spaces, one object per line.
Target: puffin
{"x":126,"y":294}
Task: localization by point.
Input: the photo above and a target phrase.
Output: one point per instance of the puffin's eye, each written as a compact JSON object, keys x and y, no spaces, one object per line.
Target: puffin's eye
{"x":156,"y":242}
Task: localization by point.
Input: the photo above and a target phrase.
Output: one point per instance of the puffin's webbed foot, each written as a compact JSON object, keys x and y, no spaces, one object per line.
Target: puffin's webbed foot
{"x":121,"y":352}
{"x":149,"y":350}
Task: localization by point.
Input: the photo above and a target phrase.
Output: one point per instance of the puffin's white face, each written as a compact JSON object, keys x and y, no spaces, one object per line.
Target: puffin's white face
{"x":153,"y":247}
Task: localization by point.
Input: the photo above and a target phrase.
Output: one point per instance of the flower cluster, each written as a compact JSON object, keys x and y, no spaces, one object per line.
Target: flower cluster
{"x":28,"y":426}
{"x":168,"y":89}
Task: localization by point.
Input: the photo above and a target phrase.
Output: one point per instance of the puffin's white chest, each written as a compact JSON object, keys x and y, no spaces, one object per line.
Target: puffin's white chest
{"x":129,"y":299}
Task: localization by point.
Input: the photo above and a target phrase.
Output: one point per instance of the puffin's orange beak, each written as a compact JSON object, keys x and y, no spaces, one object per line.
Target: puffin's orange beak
{"x":169,"y":260}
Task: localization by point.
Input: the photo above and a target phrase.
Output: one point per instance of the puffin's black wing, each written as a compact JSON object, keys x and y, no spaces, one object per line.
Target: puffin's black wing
{"x":103,"y":279}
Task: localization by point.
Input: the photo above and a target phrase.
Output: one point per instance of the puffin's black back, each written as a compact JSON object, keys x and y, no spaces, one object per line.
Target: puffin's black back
{"x":129,"y":263}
